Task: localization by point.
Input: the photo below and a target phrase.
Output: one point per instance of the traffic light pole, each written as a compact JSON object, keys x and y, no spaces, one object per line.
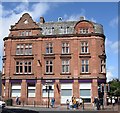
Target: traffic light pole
{"x":48,"y":97}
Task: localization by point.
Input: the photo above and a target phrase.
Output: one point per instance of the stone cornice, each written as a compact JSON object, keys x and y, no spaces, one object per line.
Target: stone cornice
{"x":54,"y":36}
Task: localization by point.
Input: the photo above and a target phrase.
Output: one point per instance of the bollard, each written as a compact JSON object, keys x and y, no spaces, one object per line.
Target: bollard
{"x":34,"y":103}
{"x":83,"y":104}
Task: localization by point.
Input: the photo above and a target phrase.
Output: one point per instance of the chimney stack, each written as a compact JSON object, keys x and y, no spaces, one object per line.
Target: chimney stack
{"x":42,"y":20}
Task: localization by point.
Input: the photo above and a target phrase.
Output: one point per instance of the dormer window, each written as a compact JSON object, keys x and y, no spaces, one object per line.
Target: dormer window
{"x":84,"y":30}
{"x":25,"y":33}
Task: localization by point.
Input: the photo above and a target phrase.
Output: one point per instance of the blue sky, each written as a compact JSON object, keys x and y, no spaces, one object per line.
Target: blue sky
{"x":105,"y":13}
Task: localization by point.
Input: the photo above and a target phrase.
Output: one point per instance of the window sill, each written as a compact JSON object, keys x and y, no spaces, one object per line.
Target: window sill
{"x":48,"y":54}
{"x":65,"y":73}
{"x":48,"y":73}
{"x":84,"y":54}
{"x":85,"y":73}
{"x":24,"y":74}
{"x":24,"y":56}
{"x":67,"y":55}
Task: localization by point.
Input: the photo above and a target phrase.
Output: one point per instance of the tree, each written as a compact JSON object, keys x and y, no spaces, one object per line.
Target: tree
{"x":114,"y":87}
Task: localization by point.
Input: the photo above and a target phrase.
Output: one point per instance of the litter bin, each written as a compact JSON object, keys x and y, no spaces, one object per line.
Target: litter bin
{"x":9,"y":102}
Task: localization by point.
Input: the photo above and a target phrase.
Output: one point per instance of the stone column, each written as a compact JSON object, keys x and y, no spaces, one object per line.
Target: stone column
{"x":24,"y":92}
{"x":76,"y":89}
{"x":94,"y":89}
{"x":38,"y":93}
{"x":57,"y":92}
{"x":3,"y":90}
{"x":7,"y":89}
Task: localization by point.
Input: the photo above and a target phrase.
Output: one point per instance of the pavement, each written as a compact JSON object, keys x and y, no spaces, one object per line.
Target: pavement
{"x":63,"y":108}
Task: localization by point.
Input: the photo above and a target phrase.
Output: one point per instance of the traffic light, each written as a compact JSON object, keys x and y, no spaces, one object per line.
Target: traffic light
{"x":46,"y":88}
{"x":50,"y":87}
{"x":102,"y":87}
{"x":107,"y":88}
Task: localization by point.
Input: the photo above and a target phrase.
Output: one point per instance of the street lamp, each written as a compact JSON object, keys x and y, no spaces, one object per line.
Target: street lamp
{"x":48,"y":88}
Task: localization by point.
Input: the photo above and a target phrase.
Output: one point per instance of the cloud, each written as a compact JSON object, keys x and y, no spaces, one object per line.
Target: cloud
{"x":14,"y":15}
{"x":109,"y":75}
{"x":39,"y":9}
{"x":22,"y":7}
{"x":74,"y":17}
{"x":93,"y":20}
{"x":112,"y":46}
{"x":10,"y":17}
{"x":115,"y":46}
{"x":114,"y":22}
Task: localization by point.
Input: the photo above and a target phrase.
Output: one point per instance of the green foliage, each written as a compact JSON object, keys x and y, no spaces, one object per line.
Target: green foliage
{"x":114,"y":87}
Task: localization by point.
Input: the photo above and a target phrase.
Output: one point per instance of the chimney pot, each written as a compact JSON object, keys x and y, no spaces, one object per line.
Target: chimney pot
{"x":82,"y":18}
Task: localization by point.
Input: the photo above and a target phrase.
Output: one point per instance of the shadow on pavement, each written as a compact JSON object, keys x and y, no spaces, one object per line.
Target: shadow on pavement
{"x":6,"y":110}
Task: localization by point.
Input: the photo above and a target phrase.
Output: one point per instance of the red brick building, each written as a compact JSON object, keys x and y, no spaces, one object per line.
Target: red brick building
{"x":67,"y":55}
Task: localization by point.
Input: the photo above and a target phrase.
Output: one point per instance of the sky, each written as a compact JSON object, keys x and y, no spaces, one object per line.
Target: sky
{"x":105,"y":13}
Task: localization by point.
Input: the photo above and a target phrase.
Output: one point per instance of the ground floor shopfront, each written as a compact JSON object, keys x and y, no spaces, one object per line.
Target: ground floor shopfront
{"x":34,"y":91}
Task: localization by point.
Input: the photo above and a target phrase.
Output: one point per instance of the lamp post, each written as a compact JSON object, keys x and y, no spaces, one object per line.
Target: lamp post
{"x":48,"y":88}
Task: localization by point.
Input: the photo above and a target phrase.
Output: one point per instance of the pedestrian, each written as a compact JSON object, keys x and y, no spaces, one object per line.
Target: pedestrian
{"x":81,"y":101}
{"x":74,"y":103}
{"x":109,"y":101}
{"x":52,"y":102}
{"x":95,"y":103}
{"x":113,"y":101}
{"x":17,"y":100}
{"x":77,"y":102}
{"x":68,"y":103}
{"x":71,"y":104}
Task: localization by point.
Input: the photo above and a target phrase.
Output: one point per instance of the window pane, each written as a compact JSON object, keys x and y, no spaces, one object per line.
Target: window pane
{"x":86,"y":49}
{"x":83,"y":68}
{"x":66,"y":92}
{"x":16,"y":92}
{"x":51,"y":50}
{"x":17,"y":63}
{"x":21,"y":51}
{"x":47,"y":50}
{"x":31,"y":92}
{"x":51,"y":69}
{"x":63,"y":68}
{"x":85,"y":92}
{"x":82,"y":49}
{"x":87,"y":70}
{"x":47,"y":69}
{"x":67,"y":68}
{"x":47,"y":62}
{"x":67,"y":49}
{"x":21,"y":70}
{"x":82,"y":61}
{"x":25,"y":68}
{"x":17,"y":69}
{"x":29,"y":69}
{"x":29,"y":63}
{"x":63,"y":49}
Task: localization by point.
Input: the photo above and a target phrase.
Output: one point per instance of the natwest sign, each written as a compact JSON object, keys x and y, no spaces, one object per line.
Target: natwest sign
{"x":48,"y":81}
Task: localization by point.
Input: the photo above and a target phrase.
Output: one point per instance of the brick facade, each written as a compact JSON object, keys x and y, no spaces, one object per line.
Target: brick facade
{"x":36,"y":75}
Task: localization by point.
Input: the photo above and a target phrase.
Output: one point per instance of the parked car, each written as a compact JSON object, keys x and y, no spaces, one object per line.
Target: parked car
{"x":2,"y":104}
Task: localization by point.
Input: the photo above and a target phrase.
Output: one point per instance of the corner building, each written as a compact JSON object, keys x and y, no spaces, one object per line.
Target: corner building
{"x":67,"y":55}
